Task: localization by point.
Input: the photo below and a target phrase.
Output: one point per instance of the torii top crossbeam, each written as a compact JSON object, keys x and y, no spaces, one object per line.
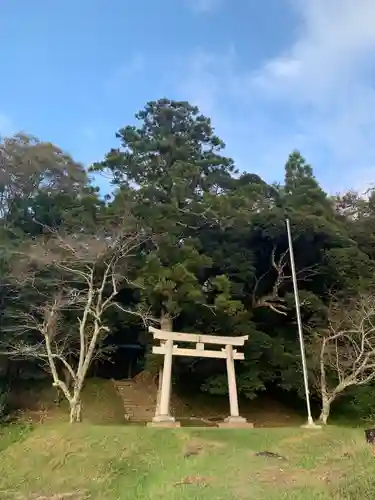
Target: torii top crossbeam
{"x":200,"y":341}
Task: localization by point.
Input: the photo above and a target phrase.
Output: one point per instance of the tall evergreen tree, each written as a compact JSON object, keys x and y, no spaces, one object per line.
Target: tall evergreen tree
{"x":171,"y":166}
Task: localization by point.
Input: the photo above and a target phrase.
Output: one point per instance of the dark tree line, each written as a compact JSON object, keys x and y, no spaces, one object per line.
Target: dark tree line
{"x":188,"y":241}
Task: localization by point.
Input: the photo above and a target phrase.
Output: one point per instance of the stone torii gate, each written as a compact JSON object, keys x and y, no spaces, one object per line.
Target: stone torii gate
{"x":169,"y":348}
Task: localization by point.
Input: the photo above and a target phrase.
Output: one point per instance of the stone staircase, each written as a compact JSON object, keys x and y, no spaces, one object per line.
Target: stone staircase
{"x":139,"y":400}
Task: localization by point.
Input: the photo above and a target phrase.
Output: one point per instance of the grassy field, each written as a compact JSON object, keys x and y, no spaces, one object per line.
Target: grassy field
{"x":104,"y":458}
{"x":58,"y":462}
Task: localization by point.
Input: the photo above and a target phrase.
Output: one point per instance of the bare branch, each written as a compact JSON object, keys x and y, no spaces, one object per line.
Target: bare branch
{"x":273,"y":300}
{"x":279,"y":266}
{"x":144,"y":314}
{"x":88,"y":272}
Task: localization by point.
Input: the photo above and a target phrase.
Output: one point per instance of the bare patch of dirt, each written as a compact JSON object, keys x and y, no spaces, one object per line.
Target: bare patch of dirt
{"x":197,"y":446}
{"x":192,"y":449}
{"x":197,"y":480}
{"x":287,"y":477}
{"x":64,"y":496}
{"x":73,"y":495}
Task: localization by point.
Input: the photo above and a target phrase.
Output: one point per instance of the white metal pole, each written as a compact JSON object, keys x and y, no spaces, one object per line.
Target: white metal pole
{"x":299,"y":323}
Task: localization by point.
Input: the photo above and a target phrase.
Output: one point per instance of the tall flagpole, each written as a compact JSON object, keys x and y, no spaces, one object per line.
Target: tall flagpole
{"x":310,"y":421}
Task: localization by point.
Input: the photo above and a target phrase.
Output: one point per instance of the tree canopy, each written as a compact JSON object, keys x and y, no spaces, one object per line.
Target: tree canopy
{"x":214,"y":255}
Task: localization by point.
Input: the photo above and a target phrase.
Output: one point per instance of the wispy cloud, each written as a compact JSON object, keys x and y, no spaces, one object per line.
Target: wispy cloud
{"x":202,"y":6}
{"x":219,"y":85}
{"x":336,"y":40}
{"x":125,"y":72}
{"x":203,"y":79}
{"x":326,"y":75}
{"x":317,"y":94}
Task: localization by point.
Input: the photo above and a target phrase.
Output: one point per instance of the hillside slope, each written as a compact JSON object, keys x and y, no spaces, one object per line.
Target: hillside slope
{"x":115,"y":402}
{"x":61,"y":462}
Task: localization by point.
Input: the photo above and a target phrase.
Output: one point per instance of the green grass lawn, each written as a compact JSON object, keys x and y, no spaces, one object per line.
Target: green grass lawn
{"x":44,"y":458}
{"x":117,"y":462}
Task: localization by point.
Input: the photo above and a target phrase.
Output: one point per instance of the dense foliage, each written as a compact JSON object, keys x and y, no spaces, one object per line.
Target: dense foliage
{"x":215,"y":252}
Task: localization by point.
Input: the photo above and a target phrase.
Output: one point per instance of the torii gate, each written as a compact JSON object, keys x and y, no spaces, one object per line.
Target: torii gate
{"x":169,"y":349}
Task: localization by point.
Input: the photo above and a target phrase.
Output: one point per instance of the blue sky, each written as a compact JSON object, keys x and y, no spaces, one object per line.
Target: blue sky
{"x":274,"y":75}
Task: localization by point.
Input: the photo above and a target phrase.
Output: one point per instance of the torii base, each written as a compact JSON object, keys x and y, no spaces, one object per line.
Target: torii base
{"x":165,"y":425}
{"x":236,"y":423}
{"x":311,"y":425}
{"x":165,"y":421}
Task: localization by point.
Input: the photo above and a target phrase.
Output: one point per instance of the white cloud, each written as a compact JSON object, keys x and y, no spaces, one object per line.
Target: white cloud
{"x":336,"y":40}
{"x":317,"y":95}
{"x":202,"y":6}
{"x":326,"y":74}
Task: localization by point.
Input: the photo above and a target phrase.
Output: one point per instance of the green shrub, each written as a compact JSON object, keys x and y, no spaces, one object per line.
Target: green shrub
{"x":358,"y":403}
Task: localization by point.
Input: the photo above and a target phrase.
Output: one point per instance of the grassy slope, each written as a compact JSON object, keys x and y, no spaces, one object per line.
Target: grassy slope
{"x":118,"y":461}
{"x":128,"y":462}
{"x":101,"y":404}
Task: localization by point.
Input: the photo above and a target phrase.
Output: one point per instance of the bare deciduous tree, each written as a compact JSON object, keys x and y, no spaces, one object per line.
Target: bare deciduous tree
{"x":80,"y":273}
{"x":343,"y":353}
{"x":280,"y":268}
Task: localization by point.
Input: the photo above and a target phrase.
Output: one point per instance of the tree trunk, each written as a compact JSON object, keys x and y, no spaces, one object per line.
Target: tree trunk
{"x":326,"y":409}
{"x":67,"y":378}
{"x":59,"y":396}
{"x":75,"y":411}
{"x":166,"y":323}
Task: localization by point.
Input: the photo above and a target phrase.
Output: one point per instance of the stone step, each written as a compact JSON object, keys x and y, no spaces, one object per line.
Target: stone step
{"x":138,"y":402}
{"x":138,"y":411}
{"x":134,"y":404}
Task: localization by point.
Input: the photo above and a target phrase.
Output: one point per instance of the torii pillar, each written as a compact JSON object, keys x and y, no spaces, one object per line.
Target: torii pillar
{"x":234,"y":418}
